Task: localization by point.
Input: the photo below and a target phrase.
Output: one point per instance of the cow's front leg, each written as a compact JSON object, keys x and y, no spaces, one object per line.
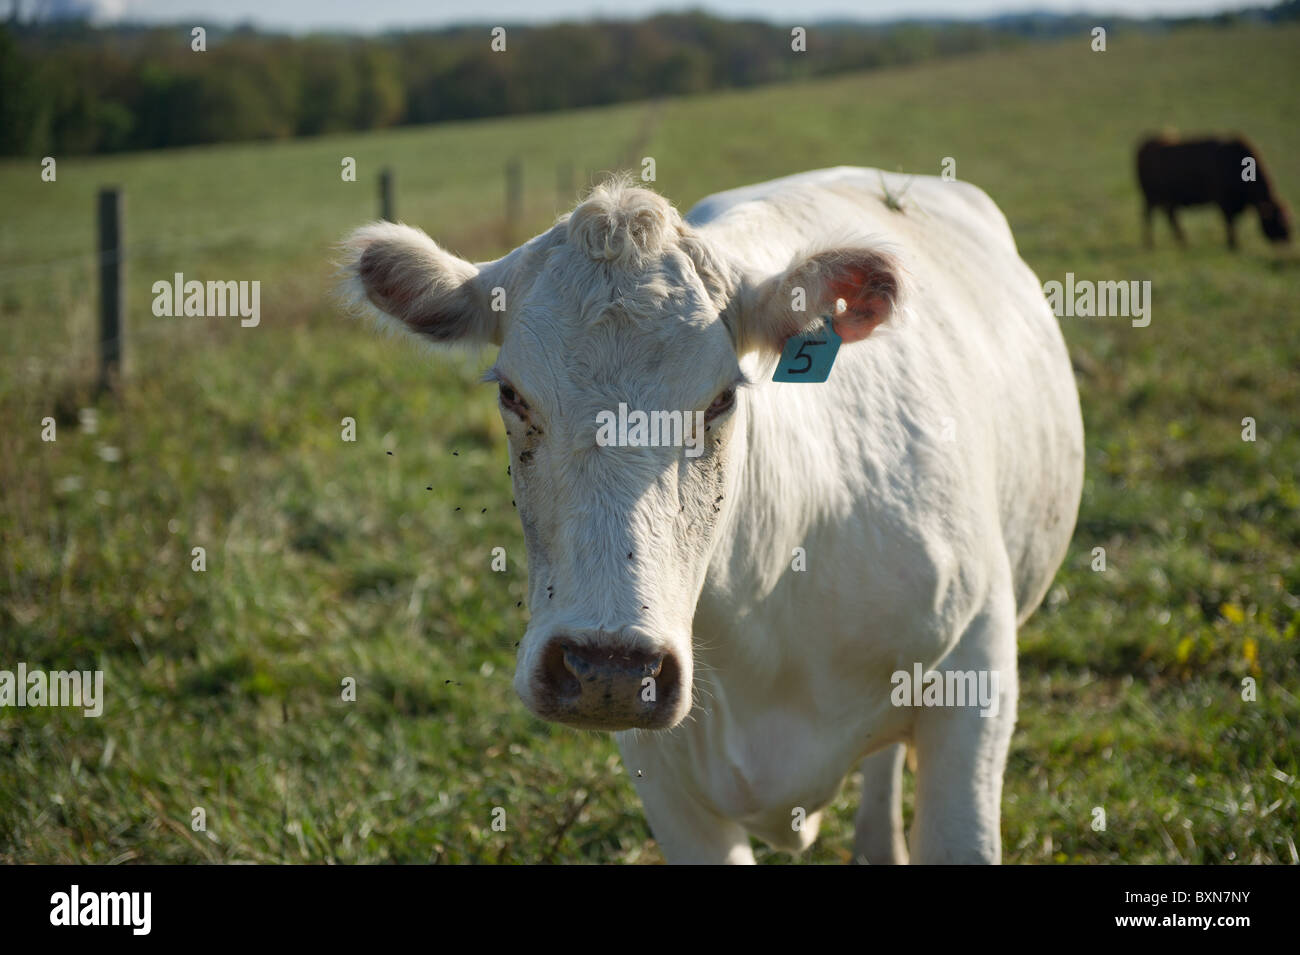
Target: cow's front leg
{"x":961,"y":754}
{"x":878,"y":828}
{"x":1171,"y":213}
{"x":688,"y":832}
{"x":1230,"y":226}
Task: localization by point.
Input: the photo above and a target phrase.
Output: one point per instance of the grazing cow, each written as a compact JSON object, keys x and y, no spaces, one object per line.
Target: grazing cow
{"x":755,"y":605}
{"x":1227,"y":173}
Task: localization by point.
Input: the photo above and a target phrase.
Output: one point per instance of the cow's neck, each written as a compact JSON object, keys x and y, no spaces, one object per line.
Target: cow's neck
{"x":772,"y":508}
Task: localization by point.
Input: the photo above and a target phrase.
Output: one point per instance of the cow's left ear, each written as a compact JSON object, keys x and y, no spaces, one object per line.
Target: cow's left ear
{"x":860,"y":288}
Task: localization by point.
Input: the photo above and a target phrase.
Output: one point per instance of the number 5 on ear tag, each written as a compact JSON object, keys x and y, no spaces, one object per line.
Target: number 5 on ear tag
{"x":809,"y":357}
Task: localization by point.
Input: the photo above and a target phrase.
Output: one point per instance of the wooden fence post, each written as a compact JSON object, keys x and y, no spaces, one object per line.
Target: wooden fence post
{"x":112,"y":290}
{"x":386,"y":194}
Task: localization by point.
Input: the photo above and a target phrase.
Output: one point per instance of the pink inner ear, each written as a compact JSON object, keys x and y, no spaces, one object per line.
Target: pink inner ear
{"x":866,"y":293}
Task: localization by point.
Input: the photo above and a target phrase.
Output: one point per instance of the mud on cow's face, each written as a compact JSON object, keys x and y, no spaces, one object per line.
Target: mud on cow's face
{"x":623,"y":400}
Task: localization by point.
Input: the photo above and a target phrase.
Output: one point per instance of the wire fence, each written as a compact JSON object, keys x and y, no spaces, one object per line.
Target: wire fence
{"x":105,"y":268}
{"x":48,"y":344}
{"x":85,"y":269}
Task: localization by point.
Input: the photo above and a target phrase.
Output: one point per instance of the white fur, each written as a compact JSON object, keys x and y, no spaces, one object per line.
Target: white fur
{"x":919,"y":548}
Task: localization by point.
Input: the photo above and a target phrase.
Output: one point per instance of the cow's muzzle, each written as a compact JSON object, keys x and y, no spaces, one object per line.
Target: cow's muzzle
{"x":593,"y":685}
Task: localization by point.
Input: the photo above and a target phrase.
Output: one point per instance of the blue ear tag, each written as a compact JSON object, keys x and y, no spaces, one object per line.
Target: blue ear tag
{"x":809,"y":357}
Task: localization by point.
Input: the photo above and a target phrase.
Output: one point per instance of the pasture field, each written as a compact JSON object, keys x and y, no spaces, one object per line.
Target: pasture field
{"x":328,"y":560}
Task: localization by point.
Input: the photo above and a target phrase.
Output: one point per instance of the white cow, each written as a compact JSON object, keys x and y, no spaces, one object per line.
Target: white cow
{"x":929,"y":487}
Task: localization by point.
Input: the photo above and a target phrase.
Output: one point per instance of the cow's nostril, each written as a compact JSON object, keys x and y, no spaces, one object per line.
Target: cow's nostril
{"x":669,"y":677}
{"x":559,"y":678}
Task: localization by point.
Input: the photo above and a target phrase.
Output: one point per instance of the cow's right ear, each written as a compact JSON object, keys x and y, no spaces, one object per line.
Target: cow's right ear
{"x":406,"y":278}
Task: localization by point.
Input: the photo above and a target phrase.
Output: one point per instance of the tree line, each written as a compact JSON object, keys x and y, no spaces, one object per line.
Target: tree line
{"x":67,"y":87}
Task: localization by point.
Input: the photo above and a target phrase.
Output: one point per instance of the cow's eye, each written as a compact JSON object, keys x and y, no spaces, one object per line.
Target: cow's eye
{"x":511,"y":400}
{"x":721,"y":404}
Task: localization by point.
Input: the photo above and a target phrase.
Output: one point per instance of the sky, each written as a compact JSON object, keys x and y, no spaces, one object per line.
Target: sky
{"x":377,"y":15}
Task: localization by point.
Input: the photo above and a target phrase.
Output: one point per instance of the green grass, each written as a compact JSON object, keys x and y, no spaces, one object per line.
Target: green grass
{"x":328,"y":560}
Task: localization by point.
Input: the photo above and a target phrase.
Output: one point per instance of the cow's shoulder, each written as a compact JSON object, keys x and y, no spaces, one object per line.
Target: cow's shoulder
{"x":954,"y":204}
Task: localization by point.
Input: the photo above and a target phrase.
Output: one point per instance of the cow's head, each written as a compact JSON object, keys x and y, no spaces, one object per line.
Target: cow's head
{"x":620,"y":303}
{"x":1274,"y":220}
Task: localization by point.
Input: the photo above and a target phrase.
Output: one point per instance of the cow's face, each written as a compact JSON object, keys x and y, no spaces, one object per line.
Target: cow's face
{"x":619,"y":396}
{"x":1275,"y":221}
{"x":620,"y":389}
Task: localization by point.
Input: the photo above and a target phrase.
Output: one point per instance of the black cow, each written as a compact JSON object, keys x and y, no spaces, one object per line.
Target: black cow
{"x":1209,"y":171}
